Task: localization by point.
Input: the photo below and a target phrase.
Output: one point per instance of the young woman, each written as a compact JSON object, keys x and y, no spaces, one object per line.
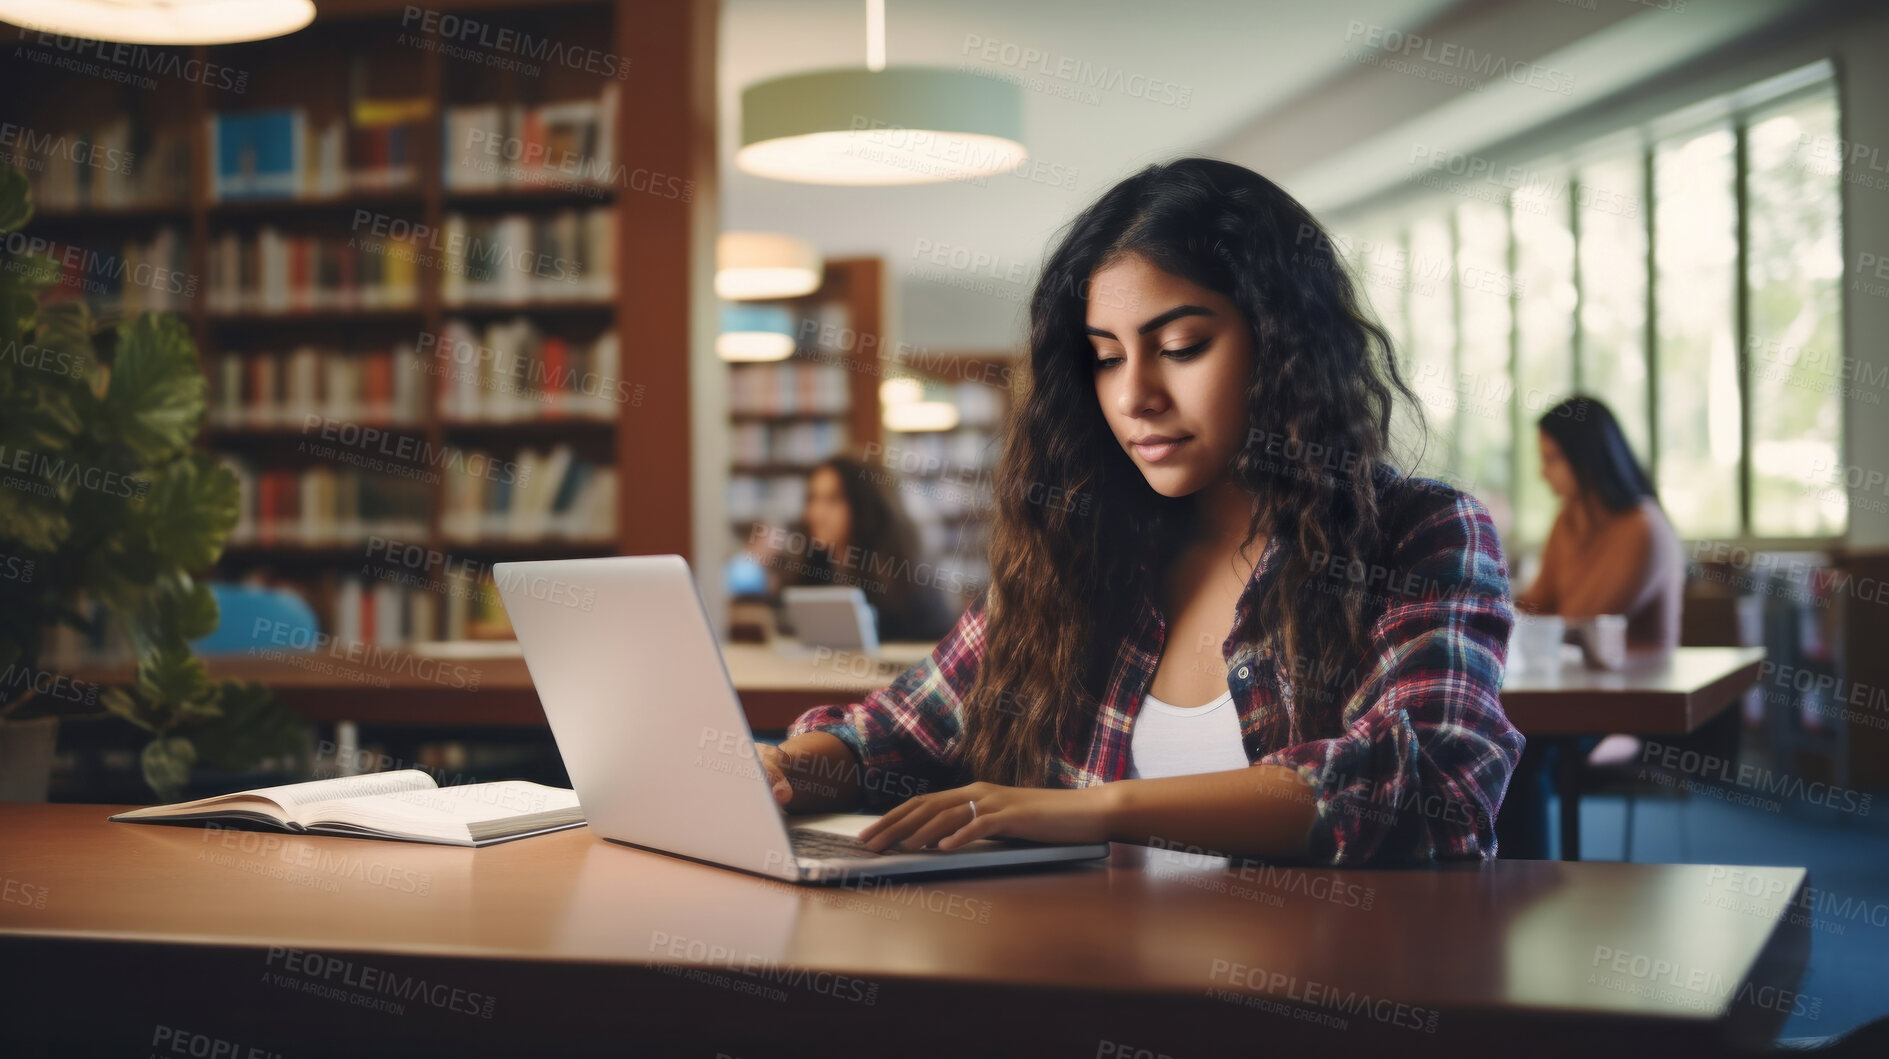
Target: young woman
{"x":1611,"y":549}
{"x":859,"y":535}
{"x":1254,"y":637}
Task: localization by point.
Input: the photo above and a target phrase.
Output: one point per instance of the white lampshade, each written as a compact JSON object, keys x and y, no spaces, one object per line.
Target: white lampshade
{"x":754,"y":333}
{"x":752,"y":265}
{"x":906,"y":125}
{"x":915,"y":417}
{"x":749,"y":346}
{"x":901,"y":391}
{"x":161,"y":21}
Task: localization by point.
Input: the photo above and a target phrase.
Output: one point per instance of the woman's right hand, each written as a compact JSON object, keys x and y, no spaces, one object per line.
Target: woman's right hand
{"x":774,"y":763}
{"x":825,"y":773}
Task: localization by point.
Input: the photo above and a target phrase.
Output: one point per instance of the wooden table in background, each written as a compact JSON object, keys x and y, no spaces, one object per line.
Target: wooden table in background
{"x":776,"y":685}
{"x":1656,"y":693}
{"x":124,"y":937}
{"x":1652,"y":695}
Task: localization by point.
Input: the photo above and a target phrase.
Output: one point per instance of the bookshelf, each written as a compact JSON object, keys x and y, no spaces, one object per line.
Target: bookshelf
{"x":405,"y":260}
{"x":786,"y":416}
{"x":947,"y":476}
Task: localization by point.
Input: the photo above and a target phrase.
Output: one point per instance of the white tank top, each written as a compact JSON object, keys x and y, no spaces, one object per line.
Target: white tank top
{"x":1169,"y":740}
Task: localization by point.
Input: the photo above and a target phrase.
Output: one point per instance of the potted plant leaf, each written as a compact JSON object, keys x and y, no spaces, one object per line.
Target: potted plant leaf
{"x":104,"y":498}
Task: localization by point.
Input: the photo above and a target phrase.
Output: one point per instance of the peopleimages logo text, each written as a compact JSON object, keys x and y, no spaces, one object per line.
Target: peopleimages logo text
{"x":461,"y":30}
{"x":1754,"y":777}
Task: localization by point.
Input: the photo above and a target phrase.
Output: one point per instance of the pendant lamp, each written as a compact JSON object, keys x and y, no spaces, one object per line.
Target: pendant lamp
{"x":879,"y":126}
{"x":161,"y":21}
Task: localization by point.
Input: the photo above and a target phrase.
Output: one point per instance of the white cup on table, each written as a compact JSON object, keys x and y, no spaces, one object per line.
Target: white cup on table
{"x":1535,"y":642}
{"x":1604,"y":641}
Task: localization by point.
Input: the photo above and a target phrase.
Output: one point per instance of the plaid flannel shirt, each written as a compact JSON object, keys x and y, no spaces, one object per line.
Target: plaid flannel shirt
{"x":1424,"y":756}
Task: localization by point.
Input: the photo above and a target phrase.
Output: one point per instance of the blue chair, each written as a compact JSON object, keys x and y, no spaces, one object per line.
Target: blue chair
{"x":744,"y":576}
{"x":259,"y":617}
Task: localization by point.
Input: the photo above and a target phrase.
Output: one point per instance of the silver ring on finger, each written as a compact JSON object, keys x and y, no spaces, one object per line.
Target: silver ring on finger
{"x":973,"y":804}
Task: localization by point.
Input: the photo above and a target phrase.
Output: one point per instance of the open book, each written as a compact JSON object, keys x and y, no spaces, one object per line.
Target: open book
{"x":405,"y":805}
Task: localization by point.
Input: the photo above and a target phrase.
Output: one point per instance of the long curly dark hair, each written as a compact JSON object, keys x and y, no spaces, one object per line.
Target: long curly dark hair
{"x":881,"y":530}
{"x":1319,"y":413}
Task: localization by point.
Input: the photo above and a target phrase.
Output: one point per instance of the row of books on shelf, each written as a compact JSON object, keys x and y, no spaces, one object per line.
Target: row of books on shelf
{"x":536,"y":495}
{"x":265,"y":389}
{"x":569,"y":144}
{"x":510,"y":259}
{"x":325,"y":505}
{"x":776,"y":500}
{"x":285,"y":154}
{"x":271,"y":272}
{"x":392,"y":607}
{"x":124,"y":276}
{"x":120,"y":164}
{"x":385,"y":605}
{"x":539,"y":494}
{"x":565,"y":255}
{"x":788,"y":388}
{"x":512,"y":371}
{"x":980,"y":404}
{"x":787,"y":443}
{"x":959,"y":455}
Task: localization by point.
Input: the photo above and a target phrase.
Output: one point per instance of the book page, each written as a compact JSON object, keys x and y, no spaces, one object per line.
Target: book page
{"x":290,"y":798}
{"x":295,"y":796}
{"x":447,"y":811}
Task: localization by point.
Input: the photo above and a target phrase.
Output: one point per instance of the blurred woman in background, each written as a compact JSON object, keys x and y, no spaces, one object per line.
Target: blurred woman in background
{"x":858,"y":534}
{"x":1611,"y":549}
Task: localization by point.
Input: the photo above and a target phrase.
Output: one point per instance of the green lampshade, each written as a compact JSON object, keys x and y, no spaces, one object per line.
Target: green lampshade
{"x":908,"y":125}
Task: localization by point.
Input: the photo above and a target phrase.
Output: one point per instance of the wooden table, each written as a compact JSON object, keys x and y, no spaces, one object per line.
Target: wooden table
{"x":1656,"y":693}
{"x":133,"y":938}
{"x":776,"y":684}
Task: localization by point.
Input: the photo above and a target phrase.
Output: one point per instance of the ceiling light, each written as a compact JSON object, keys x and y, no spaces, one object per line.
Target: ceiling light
{"x":752,"y":265}
{"x":161,"y":21}
{"x":755,"y":333}
{"x":918,"y":416}
{"x":901,"y":391}
{"x":879,"y":126}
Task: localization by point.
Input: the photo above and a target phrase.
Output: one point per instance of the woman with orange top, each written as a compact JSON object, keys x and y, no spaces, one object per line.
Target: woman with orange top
{"x":1611,"y":549}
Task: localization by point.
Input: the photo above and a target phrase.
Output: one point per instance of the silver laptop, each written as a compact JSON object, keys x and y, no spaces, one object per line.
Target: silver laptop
{"x":658,"y":749}
{"x":836,"y":616}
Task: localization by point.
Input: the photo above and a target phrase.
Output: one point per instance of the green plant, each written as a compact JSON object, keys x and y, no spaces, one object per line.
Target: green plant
{"x":103,"y":498}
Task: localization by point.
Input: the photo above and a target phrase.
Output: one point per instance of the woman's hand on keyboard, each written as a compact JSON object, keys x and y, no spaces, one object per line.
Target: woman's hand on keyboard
{"x":945,"y":819}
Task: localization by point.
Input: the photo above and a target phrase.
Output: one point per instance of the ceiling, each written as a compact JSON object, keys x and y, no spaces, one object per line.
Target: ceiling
{"x":1272,"y":85}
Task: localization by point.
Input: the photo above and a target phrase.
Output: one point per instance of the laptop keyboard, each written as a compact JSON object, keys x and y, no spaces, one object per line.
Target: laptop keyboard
{"x":815,"y":844}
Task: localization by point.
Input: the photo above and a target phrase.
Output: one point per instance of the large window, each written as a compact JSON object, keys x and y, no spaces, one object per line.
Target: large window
{"x":1793,"y":276}
{"x":1695,"y":285}
{"x":1691,"y":280}
{"x":1544,"y":332}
